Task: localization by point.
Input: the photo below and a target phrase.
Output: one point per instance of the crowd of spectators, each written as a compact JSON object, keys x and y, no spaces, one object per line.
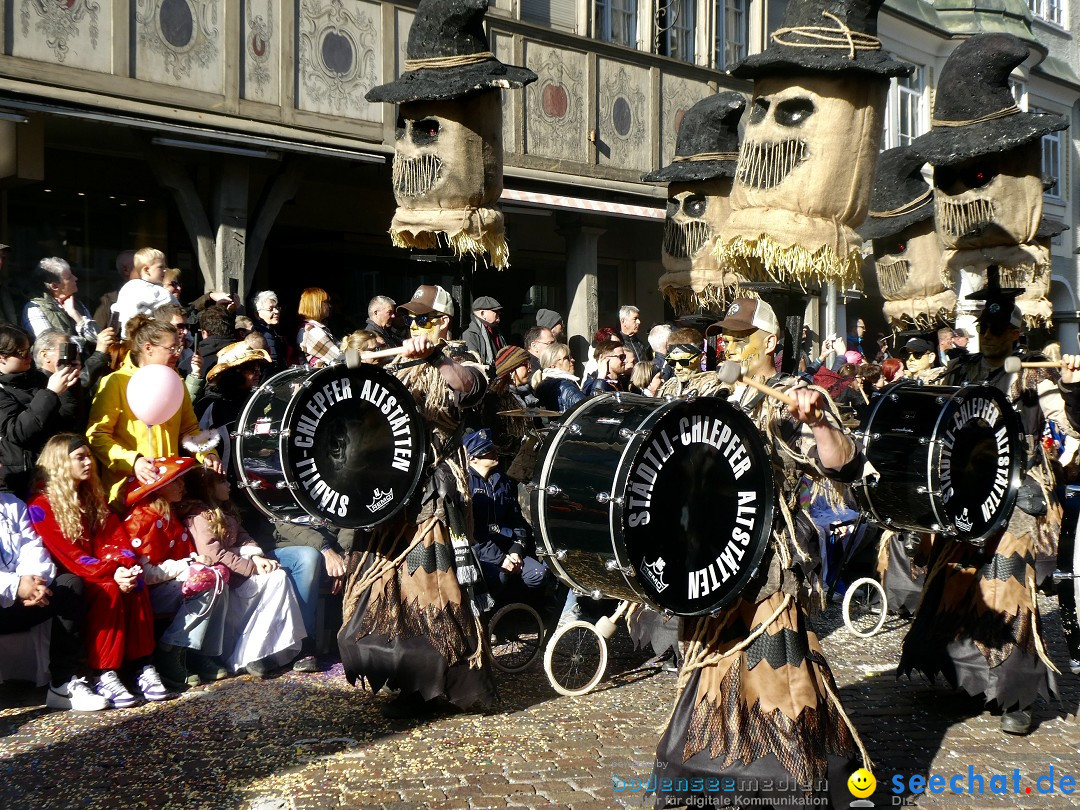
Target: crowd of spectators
{"x":129,"y":537}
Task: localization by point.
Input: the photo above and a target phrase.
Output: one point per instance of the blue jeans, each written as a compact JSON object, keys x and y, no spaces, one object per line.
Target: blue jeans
{"x":304,"y":565}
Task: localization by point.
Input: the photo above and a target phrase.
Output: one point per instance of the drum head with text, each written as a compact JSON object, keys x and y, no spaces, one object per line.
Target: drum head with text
{"x":977,"y":469}
{"x":354,"y":445}
{"x":697,"y":506}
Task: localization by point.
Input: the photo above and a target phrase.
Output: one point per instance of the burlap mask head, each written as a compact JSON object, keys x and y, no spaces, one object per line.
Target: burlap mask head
{"x":448,"y":155}
{"x":448,"y":173}
{"x":699,"y":182}
{"x":811,"y":141}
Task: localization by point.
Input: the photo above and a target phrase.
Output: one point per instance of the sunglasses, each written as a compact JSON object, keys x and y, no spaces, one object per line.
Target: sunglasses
{"x":995,"y":329}
{"x":686,"y":361}
{"x":421,"y":320}
{"x":917,"y":355}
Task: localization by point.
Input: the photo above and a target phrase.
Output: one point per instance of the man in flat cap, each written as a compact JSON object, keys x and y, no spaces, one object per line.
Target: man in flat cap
{"x":482,"y":335}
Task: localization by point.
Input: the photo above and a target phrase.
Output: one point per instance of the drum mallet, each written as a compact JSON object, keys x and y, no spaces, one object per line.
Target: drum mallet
{"x":731,"y":371}
{"x":393,"y":351}
{"x":1014,"y":364}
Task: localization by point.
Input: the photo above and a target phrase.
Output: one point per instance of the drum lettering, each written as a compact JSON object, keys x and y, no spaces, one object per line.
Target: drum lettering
{"x":712,"y":578}
{"x":745,"y":514}
{"x":646,"y":495}
{"x":402,"y":456}
{"x":389,"y":405}
{"x":731,"y":554}
{"x":1001,"y":481}
{"x":741,"y":535}
{"x":646,"y":472}
{"x":684,"y":430}
{"x":725,"y":435}
{"x":400,"y":427}
{"x":638,"y":519}
{"x":372,"y":392}
{"x":343,"y":506}
{"x":1002,"y":439}
{"x":738,"y":470}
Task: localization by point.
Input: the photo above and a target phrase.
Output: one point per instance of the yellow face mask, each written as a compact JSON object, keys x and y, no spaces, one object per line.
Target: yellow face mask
{"x":429,"y":325}
{"x":685,"y":365}
{"x":748,"y":349}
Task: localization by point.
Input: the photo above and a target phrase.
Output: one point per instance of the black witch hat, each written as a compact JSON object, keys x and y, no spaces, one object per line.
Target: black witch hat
{"x":824,"y":36}
{"x":1000,"y":307}
{"x":707,"y":145}
{"x":901,"y":197}
{"x":974,"y":111}
{"x":448,"y":56}
{"x":1049,"y":228}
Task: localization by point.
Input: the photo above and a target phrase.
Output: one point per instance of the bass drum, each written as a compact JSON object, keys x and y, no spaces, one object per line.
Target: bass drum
{"x":257,"y":453}
{"x":336,"y":446}
{"x":948,"y":460}
{"x":354,"y":445}
{"x":666,"y":503}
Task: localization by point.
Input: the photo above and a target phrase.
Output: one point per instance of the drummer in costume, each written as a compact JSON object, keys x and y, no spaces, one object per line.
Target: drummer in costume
{"x":920,"y":360}
{"x":978,"y":624}
{"x":409,"y":622}
{"x":756,"y":699}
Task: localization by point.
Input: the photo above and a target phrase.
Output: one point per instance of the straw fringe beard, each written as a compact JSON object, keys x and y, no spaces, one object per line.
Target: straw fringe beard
{"x":415,"y":177}
{"x":764,"y":164}
{"x":762,"y":258}
{"x":964,"y":219}
{"x":685,"y":239}
{"x":921,"y":313}
{"x":892,"y":276}
{"x":474,"y":232}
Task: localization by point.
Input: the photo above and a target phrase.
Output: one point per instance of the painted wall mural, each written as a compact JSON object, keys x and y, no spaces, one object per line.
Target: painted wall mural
{"x":554,"y":108}
{"x":260,"y":52}
{"x":623,"y":114}
{"x":179,"y":42}
{"x":69,"y":32}
{"x":339,"y":58}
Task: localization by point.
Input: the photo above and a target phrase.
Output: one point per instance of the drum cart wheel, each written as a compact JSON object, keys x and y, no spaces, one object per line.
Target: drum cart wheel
{"x":865,"y":607}
{"x":576,"y":657}
{"x":516,"y":636}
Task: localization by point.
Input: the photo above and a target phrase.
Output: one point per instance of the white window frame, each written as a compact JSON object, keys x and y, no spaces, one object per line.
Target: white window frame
{"x":906,"y":94}
{"x":1053,"y":149}
{"x":604,"y":12}
{"x":679,"y":27}
{"x":724,"y":45}
{"x":1050,"y":11}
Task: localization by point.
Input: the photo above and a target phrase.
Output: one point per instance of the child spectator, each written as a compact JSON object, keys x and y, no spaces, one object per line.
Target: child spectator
{"x":122,"y":443}
{"x":85,"y":538}
{"x":29,"y":595}
{"x":146,"y":292}
{"x":264,"y":628}
{"x":33,"y":406}
{"x":165,"y":552}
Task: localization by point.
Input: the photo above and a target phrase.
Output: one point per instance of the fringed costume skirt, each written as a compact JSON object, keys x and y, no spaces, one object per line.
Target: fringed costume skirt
{"x":762,"y":723}
{"x":977,"y":624}
{"x":407,"y":624}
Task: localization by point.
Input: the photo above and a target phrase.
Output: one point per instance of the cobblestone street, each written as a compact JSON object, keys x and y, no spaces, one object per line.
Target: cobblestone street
{"x":312,"y":741}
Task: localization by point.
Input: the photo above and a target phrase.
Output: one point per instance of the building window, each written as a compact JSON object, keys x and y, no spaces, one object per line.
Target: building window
{"x":732,"y":33}
{"x":1049,"y":10}
{"x":616,"y":21}
{"x":906,"y":117}
{"x":1051,"y":163}
{"x":675,"y":29}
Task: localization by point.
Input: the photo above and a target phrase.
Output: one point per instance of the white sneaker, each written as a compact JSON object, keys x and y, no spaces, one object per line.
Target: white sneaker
{"x":149,"y":683}
{"x":76,"y":695}
{"x":112,"y":689}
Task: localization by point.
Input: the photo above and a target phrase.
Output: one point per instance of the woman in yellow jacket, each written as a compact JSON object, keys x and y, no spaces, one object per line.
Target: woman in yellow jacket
{"x":123,"y":444}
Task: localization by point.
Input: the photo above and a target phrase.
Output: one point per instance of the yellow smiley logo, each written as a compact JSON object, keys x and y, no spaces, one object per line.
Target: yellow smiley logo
{"x":861,"y":783}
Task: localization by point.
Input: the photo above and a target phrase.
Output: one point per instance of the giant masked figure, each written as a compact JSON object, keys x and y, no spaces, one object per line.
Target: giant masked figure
{"x":811,"y":142}
{"x":699,"y":182}
{"x":448,"y":156}
{"x":986,"y":155}
{"x":907,"y":251}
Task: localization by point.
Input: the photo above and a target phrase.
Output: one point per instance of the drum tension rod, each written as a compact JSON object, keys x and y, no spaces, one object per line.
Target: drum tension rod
{"x":605,"y":497}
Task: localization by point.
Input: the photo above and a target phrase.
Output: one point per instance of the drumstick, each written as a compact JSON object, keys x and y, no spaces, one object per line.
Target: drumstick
{"x":394,"y":351}
{"x":730,"y":371}
{"x":1014,"y":364}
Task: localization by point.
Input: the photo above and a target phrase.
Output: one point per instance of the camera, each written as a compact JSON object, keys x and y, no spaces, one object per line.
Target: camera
{"x":67,"y":355}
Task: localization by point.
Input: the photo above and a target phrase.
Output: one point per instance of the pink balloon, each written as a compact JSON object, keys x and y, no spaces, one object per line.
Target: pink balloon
{"x":155,"y":394}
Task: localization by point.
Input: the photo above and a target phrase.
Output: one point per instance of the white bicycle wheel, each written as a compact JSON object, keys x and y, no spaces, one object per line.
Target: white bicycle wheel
{"x":575,"y":659}
{"x":865,"y":607}
{"x":516,"y":635}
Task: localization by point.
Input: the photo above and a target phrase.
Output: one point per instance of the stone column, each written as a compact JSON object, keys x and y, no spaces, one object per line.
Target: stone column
{"x":582,"y":316}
